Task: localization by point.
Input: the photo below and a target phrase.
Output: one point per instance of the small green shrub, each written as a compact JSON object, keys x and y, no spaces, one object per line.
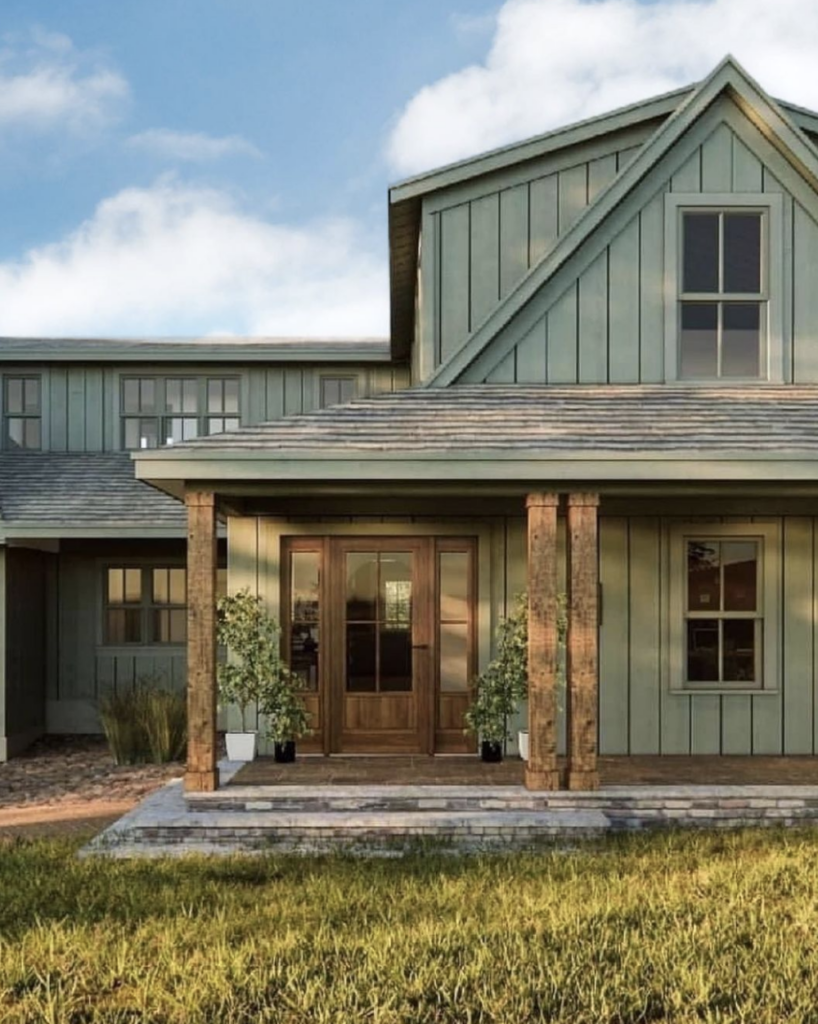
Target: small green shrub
{"x":144,"y":724}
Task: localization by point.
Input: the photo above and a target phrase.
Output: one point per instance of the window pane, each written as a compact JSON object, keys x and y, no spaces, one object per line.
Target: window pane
{"x":454,"y":662}
{"x":116,"y":586}
{"x":16,"y":432}
{"x":14,"y":395}
{"x":148,"y":433}
{"x":742,"y":252}
{"x":133,"y":585}
{"x":178,"y":625}
{"x":703,"y":650}
{"x":739,"y":650}
{"x":31,"y":395}
{"x":701,"y":252}
{"x":215,"y":425}
{"x":454,"y":585}
{"x":131,"y":433}
{"x":330,"y":392}
{"x":231,"y":423}
{"x":396,"y":660}
{"x":360,"y":658}
{"x":304,"y":653}
{"x":231,"y":396}
{"x":214,"y":396}
{"x":160,"y":586}
{"x":396,"y":588}
{"x":169,"y":626}
{"x":703,"y":589}
{"x":740,"y":560}
{"x":698,"y":356}
{"x":741,"y":339}
{"x":124,"y":626}
{"x":31,"y":432}
{"x":178,"y":591}
{"x":173,"y":396}
{"x":362,"y":586}
{"x":304,"y":585}
{"x":130,"y":395}
{"x":190,"y":396}
{"x":147,"y":395}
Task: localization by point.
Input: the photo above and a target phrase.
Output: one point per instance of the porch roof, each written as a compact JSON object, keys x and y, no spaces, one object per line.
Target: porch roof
{"x":494,"y":431}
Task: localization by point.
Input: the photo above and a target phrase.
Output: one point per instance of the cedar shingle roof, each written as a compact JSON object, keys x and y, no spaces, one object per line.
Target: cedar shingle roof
{"x":545,"y":418}
{"x":80,"y":489}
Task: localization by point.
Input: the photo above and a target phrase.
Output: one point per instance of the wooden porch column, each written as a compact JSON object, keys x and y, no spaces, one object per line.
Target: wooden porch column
{"x":202,"y":775}
{"x":541,"y":770}
{"x":582,"y":656}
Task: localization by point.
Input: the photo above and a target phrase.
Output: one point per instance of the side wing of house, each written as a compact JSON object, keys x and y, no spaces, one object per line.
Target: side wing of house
{"x":574,"y":276}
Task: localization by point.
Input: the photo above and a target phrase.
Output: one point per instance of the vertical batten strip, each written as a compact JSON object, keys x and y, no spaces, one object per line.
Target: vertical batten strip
{"x":202,"y":775}
{"x":541,"y":770}
{"x":583,"y":640}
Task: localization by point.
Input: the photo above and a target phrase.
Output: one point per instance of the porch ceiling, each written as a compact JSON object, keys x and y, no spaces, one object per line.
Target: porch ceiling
{"x":509,"y":437}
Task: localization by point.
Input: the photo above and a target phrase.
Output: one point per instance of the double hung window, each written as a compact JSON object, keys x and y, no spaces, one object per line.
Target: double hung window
{"x":723,"y":317}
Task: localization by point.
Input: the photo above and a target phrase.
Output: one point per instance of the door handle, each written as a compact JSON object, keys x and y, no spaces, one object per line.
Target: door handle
{"x":420,"y":647}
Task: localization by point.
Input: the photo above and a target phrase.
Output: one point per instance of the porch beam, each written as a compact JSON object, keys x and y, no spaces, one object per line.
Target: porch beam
{"x":541,"y":770}
{"x":582,"y":656}
{"x":201,"y":775}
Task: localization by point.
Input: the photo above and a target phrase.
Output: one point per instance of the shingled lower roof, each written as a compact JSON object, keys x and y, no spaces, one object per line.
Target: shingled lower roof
{"x":579,"y":419}
{"x":79,"y":490}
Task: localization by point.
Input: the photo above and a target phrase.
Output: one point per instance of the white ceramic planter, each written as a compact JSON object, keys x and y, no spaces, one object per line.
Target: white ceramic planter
{"x":522,"y":743}
{"x":241,"y":746}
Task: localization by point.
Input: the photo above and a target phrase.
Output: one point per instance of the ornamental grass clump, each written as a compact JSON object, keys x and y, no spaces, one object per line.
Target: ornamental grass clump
{"x":255,"y":672}
{"x":144,"y":724}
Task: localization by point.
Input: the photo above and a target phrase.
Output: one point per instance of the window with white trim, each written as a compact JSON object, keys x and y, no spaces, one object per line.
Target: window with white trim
{"x":168,"y":410}
{"x":724,"y":281}
{"x":723,"y":607}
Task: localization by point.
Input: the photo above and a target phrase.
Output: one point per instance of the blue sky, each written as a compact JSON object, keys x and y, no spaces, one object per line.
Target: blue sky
{"x":220,"y":166}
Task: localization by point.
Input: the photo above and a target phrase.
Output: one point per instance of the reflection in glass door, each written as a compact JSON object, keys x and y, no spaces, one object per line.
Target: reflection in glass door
{"x":378,"y":612}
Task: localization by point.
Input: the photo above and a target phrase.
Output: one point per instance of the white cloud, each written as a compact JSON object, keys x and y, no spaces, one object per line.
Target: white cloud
{"x":48,"y":84}
{"x":174,"y":259}
{"x":191,"y":146}
{"x":552,"y":62}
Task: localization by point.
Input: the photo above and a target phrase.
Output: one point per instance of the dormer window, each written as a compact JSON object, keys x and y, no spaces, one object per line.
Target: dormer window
{"x":723,"y":295}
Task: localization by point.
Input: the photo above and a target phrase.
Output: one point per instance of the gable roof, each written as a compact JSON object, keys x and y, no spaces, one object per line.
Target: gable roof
{"x":728,"y":78}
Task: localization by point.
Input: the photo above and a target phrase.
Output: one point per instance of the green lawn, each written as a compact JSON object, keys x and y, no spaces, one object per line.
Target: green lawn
{"x":718,"y":927}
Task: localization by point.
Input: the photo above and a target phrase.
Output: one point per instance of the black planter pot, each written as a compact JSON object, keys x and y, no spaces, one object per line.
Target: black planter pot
{"x":284,"y":753}
{"x":491,"y":751}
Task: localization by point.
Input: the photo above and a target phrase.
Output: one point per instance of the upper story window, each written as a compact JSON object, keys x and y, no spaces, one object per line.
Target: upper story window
{"x":22,"y":412}
{"x":337,"y":390}
{"x":167,"y":410}
{"x":723,"y":319}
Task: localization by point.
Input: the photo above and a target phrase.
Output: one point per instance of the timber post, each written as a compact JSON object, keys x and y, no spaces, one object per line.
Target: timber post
{"x":582,"y":656}
{"x":201,"y":775}
{"x":541,"y":770}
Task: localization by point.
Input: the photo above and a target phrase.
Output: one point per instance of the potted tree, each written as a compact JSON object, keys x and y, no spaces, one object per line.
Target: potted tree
{"x":504,"y":684}
{"x":499,"y":689}
{"x":256,"y":674}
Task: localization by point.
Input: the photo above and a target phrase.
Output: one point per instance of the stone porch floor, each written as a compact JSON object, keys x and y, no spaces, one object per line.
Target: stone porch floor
{"x":471,"y":771}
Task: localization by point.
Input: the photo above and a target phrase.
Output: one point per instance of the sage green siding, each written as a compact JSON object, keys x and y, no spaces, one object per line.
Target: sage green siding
{"x":601,"y":317}
{"x":85,"y":668}
{"x":481,"y":237}
{"x":81,"y":403}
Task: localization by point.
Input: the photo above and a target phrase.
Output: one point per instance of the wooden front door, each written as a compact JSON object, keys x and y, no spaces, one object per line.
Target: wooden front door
{"x":383,"y":632}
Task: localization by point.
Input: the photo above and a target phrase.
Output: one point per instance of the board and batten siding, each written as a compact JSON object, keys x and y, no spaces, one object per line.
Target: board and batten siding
{"x":83,"y":669}
{"x":601,"y":318}
{"x":480,"y":238}
{"x":81,"y":403}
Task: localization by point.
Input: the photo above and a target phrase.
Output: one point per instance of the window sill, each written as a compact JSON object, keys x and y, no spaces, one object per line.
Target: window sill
{"x":722,"y":691}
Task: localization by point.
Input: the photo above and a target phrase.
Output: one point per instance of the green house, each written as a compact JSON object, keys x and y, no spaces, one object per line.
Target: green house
{"x":601,"y":379}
